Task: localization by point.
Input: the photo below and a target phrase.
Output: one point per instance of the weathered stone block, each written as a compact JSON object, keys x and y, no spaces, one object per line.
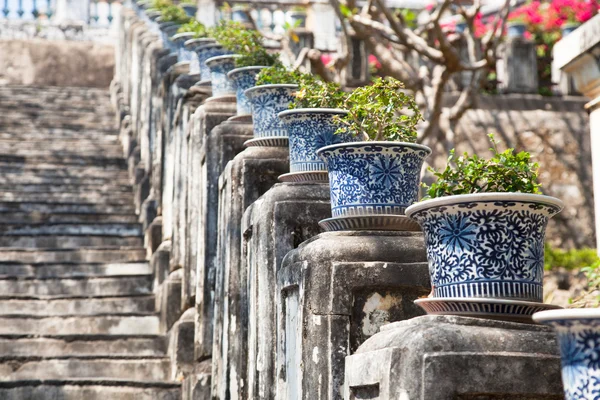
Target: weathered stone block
{"x":221,"y":145}
{"x":196,"y":386}
{"x":153,"y":236}
{"x":245,"y":179}
{"x":448,"y":358}
{"x":334,"y":292}
{"x":169,"y":300}
{"x":203,"y":121}
{"x":159,"y":264}
{"x":181,"y":345}
{"x":517,"y":71}
{"x":276,"y":223}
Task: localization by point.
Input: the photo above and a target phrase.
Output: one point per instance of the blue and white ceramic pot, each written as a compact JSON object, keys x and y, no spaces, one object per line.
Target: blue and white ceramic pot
{"x":516,"y":29}
{"x":373,"y":178}
{"x":167,"y":30}
{"x":190,"y":9}
{"x":242,"y":79}
{"x":310,"y":129}
{"x":192,"y":46}
{"x":267,"y":101}
{"x":568,"y":28}
{"x":183,"y":54}
{"x":297,"y":19}
{"x":209,"y":49}
{"x":487,"y":245}
{"x":578,"y":332}
{"x":219,"y":68}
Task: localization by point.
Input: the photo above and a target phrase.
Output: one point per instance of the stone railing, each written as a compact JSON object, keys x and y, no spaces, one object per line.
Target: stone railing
{"x":258,"y":303}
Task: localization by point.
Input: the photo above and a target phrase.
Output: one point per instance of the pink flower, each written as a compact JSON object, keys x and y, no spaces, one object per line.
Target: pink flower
{"x":326,"y":58}
{"x":373,"y":61}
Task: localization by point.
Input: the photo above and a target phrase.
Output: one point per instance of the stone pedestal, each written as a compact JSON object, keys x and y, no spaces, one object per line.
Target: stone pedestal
{"x":334,"y":292}
{"x":448,"y":358}
{"x":517,"y":71}
{"x":276,"y":223}
{"x":221,"y":145}
{"x":203,"y":121}
{"x":248,"y":176}
{"x":577,"y":55}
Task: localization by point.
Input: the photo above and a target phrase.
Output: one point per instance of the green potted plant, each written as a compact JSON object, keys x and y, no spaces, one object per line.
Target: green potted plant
{"x":273,"y":92}
{"x":248,"y":57}
{"x":484,"y":223}
{"x":374,"y":179}
{"x":171,"y":18}
{"x":312,"y":123}
{"x":196,"y":37}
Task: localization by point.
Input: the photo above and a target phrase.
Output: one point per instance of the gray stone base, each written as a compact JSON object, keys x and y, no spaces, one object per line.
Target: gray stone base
{"x":169,"y":300}
{"x":448,"y":358}
{"x":220,"y":147}
{"x":335,"y":291}
{"x":248,"y":176}
{"x":181,"y":345}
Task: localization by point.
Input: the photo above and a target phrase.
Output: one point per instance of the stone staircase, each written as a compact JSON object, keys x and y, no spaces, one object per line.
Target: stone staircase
{"x":77,"y":311}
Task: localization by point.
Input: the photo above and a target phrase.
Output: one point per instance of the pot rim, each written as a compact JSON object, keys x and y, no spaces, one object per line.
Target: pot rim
{"x":248,"y":92}
{"x":490,"y":196}
{"x":182,"y":35}
{"x":568,"y":313}
{"x":243,"y":69}
{"x":292,"y":111}
{"x":215,"y":60}
{"x":373,"y":142}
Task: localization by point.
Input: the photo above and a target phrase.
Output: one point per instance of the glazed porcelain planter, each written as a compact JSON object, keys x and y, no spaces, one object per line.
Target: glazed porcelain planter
{"x":297,"y":19}
{"x":578,"y":332}
{"x":190,"y":9}
{"x":516,"y":29}
{"x":183,"y":54}
{"x":192,"y":46}
{"x":209,"y":49}
{"x":242,"y":79}
{"x":167,"y":30}
{"x":310,"y":129}
{"x":488,"y":245}
{"x":373,"y":178}
{"x":267,"y":101}
{"x":568,"y":28}
{"x":219,"y":68}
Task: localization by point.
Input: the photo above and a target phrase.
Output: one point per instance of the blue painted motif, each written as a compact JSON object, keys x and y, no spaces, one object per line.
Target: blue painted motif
{"x":242,"y":79}
{"x":268,"y":101}
{"x":579,"y":341}
{"x":483,"y":248}
{"x":219,"y":68}
{"x":373,"y":177}
{"x":206,"y":52}
{"x":309,"y":130}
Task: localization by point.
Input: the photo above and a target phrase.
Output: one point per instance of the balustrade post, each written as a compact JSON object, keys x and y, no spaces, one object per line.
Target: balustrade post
{"x":207,"y":12}
{"x":71,"y":11}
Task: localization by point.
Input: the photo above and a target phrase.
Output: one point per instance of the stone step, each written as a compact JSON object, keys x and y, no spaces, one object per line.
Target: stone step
{"x":68,"y":159}
{"x":79,"y":325}
{"x":84,"y":255}
{"x":87,"y":198}
{"x":68,"y":241}
{"x":66,"y":208}
{"x":78,"y":306}
{"x":58,"y":144}
{"x":45,"y":288}
{"x":12,"y":179}
{"x":97,"y":229}
{"x":53,"y":170}
{"x":43,"y":270}
{"x":88,"y":390}
{"x":11,"y":346}
{"x":136,"y":369}
{"x":46,"y":218}
{"x":81,"y":187}
{"x":97,"y":135}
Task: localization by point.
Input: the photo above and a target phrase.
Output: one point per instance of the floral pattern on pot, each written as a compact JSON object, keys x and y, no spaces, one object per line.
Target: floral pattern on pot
{"x":204,"y":53}
{"x":578,"y":333}
{"x":219,"y":68}
{"x":268,"y":101}
{"x":486,"y":245}
{"x":373,"y":178}
{"x":310,"y":129}
{"x":242,"y":79}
